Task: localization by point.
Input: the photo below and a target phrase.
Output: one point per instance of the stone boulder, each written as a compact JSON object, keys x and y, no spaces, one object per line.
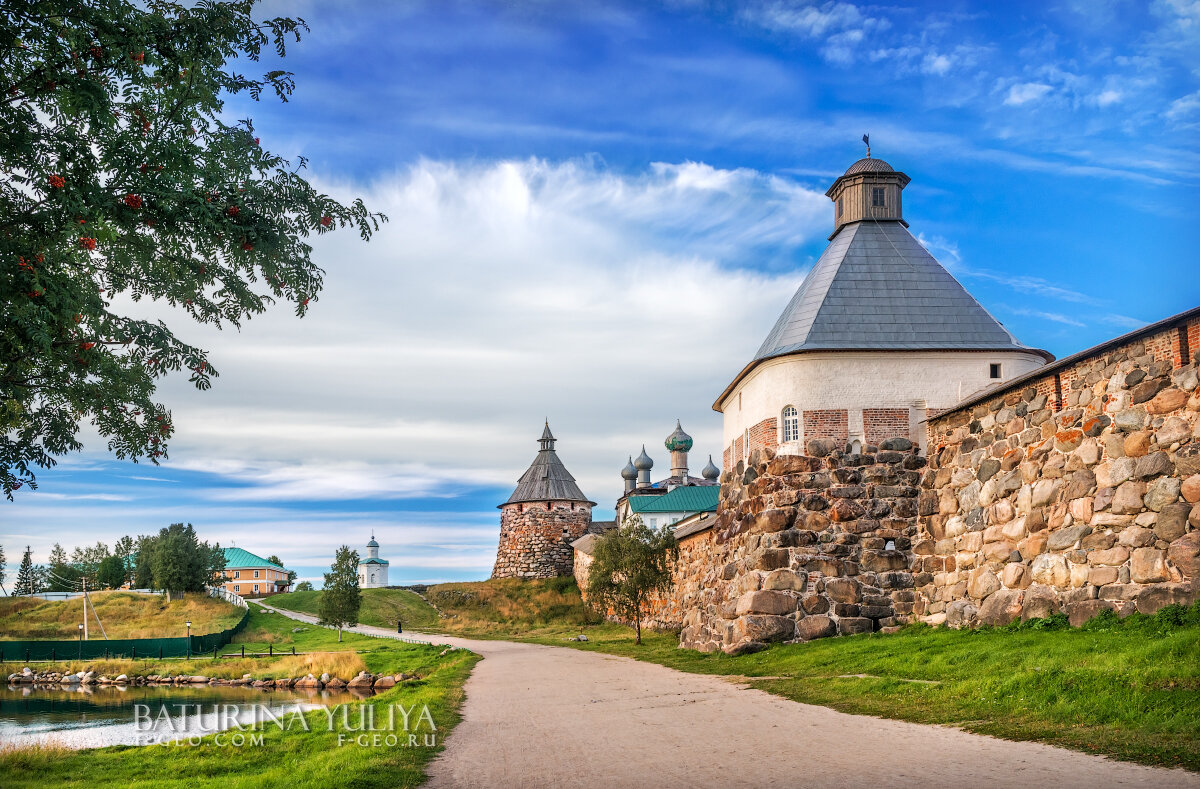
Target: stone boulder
{"x":1050,"y":569}
{"x":981,"y":583}
{"x":1152,"y":598}
{"x":961,"y":613}
{"x":1148,"y":565}
{"x":811,"y":627}
{"x":1001,"y":607}
{"x":383,"y":683}
{"x":1082,"y":611}
{"x":1184,"y":553}
{"x":765,"y":628}
{"x":362,"y":681}
{"x":785,"y":580}
{"x":766,"y":602}
{"x":852,"y":625}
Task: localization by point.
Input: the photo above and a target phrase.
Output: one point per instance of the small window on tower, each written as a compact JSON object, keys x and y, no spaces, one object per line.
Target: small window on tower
{"x":993,"y":371}
{"x":791,"y":424}
{"x":877,"y":197}
{"x":839,"y":207}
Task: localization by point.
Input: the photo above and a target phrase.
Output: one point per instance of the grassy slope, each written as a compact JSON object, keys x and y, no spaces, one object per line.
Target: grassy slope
{"x":497,"y":608}
{"x":1129,"y":690}
{"x":124,"y":614}
{"x":292,"y":758}
{"x":380,"y":607}
{"x":510,"y":607}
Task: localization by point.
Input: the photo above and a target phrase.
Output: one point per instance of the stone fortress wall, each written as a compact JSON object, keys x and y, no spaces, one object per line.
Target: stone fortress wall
{"x":1075,"y":488}
{"x":535,"y":538}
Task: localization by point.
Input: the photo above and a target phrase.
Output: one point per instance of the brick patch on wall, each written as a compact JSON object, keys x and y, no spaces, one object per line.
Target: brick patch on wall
{"x":881,"y":423}
{"x":831,"y":423}
{"x":764,"y":434}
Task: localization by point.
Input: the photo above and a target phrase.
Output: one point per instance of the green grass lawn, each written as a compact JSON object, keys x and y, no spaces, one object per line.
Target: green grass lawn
{"x":289,"y":758}
{"x":380,"y":607}
{"x":1128,"y":689}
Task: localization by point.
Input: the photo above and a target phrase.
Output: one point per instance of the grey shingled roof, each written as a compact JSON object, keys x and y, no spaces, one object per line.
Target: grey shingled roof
{"x":877,"y":288}
{"x":547,"y":479}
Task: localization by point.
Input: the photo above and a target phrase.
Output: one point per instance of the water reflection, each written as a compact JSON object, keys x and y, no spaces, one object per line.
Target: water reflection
{"x":91,"y":716}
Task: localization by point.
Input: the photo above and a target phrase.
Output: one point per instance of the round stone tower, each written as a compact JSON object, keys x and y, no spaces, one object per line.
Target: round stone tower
{"x":542,"y":517}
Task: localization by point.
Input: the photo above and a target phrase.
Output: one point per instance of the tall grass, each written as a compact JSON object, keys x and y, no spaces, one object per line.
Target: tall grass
{"x":124,"y":615}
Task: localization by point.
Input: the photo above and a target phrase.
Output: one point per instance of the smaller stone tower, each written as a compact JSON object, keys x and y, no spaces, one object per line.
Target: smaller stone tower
{"x":678,"y":444}
{"x":542,"y":517}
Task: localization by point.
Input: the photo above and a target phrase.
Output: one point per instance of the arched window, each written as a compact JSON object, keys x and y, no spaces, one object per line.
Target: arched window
{"x":856,"y":447}
{"x":791,"y":424}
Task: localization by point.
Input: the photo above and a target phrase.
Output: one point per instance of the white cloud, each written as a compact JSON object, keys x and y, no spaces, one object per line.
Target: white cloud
{"x":498,"y":294}
{"x":842,"y":26}
{"x":1184,"y":109}
{"x":810,"y":20}
{"x":934,"y":63}
{"x":1026,"y":92}
{"x":1056,"y":317}
{"x":1108,"y":97}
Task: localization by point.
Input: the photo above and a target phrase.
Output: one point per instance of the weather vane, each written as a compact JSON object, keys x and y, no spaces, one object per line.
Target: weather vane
{"x":867,"y":142}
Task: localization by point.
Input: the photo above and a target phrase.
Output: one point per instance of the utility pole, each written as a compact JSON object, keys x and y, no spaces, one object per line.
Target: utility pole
{"x":85,"y":602}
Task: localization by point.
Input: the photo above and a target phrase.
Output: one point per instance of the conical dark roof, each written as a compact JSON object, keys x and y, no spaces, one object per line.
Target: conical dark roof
{"x":547,"y":479}
{"x":877,"y":288}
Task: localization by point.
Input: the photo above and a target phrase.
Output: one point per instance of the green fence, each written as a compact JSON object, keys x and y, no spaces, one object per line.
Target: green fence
{"x":18,"y":651}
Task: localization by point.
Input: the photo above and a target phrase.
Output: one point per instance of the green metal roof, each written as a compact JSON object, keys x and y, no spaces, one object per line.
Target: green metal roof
{"x":236,"y":558}
{"x":687,"y":498}
{"x":373,"y":561}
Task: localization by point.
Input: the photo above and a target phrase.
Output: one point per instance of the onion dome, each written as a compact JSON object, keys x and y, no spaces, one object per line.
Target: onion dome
{"x":710,"y":471}
{"x":372,"y":543}
{"x":869,"y":165}
{"x":630,"y":471}
{"x":678,"y":441}
{"x":643,"y":461}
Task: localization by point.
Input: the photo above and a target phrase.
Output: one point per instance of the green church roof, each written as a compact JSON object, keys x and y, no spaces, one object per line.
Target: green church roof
{"x":686,"y":498}
{"x":236,"y":558}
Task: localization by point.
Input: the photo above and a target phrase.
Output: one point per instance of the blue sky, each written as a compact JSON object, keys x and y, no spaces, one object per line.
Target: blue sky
{"x":597,"y":212}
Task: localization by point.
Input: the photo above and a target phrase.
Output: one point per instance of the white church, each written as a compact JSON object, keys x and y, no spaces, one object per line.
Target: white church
{"x":372,"y":571}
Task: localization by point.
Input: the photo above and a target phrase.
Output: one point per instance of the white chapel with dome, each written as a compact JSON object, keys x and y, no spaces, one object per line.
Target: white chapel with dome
{"x":877,"y":337}
{"x":372,"y":571}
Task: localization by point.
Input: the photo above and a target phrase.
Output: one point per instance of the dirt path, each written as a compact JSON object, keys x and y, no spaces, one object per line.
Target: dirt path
{"x":538,"y":716}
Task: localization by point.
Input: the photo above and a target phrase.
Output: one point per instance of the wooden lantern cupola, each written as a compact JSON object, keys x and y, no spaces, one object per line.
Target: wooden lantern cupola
{"x":868,"y":190}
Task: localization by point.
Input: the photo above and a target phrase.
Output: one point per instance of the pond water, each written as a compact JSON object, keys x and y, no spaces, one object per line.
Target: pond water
{"x":78,"y":716}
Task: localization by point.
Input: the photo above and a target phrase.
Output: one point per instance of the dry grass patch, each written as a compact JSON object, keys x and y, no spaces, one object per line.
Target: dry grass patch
{"x":124,"y":614}
{"x":346,"y":665}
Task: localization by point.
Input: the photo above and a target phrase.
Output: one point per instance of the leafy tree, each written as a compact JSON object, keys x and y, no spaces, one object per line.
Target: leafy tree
{"x":291,"y":574}
{"x":61,"y":575}
{"x":86,"y":561}
{"x":304,"y":586}
{"x":180,"y":562}
{"x":111,"y":573}
{"x":143,"y":571}
{"x":27,"y":575}
{"x":629,"y":565}
{"x":341,"y":597}
{"x":120,"y":180}
{"x":124,"y":549}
